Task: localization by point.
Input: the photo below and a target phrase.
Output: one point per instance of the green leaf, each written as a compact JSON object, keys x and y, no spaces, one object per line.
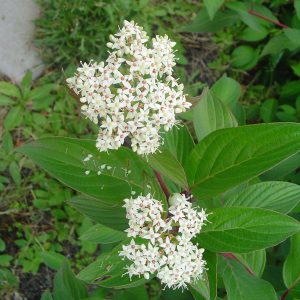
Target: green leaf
{"x":245,"y":229}
{"x":101,"y":234}
{"x":268,"y":110}
{"x":105,"y":176}
{"x":67,"y":286}
{"x":2,"y":245}
{"x":282,"y":169}
{"x":46,"y":296}
{"x":138,"y":292}
{"x":211,"y":114}
{"x":110,"y":215}
{"x":13,"y":118}
{"x":242,"y":10}
{"x":26,"y":84}
{"x":212,"y":6}
{"x":4,"y":100}
{"x":244,"y":57}
{"x":14,"y":172}
{"x":254,"y":261}
{"x":291,"y":267}
{"x":5,"y":260}
{"x":202,"y":22}
{"x":227,"y":90}
{"x":179,"y":142}
{"x":277,"y":44}
{"x":52,"y":259}
{"x":212,"y":263}
{"x":251,"y":35}
{"x":293,"y":35}
{"x":275,"y":195}
{"x":230,"y":156}
{"x":9,"y":89}
{"x":108,"y":271}
{"x":165,"y":163}
{"x":240,"y":285}
{"x":297,"y":8}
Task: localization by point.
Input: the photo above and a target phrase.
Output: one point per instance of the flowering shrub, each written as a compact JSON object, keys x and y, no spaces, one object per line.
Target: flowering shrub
{"x":193,"y":213}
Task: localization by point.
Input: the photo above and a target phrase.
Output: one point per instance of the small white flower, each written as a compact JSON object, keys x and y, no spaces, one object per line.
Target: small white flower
{"x":133,"y":93}
{"x":172,"y":256}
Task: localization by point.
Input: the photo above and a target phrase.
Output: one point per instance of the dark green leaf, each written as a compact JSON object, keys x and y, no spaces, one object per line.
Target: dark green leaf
{"x":110,"y":177}
{"x":202,"y":23}
{"x":245,"y":229}
{"x":110,"y":215}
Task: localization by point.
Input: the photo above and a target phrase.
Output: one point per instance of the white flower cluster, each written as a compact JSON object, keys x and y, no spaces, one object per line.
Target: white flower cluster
{"x":169,"y":254}
{"x":133,"y":93}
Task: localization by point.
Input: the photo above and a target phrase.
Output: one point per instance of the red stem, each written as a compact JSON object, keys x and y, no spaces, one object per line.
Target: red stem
{"x":162,"y":184}
{"x":254,"y":13}
{"x":285,"y":294}
{"x":230,"y":255}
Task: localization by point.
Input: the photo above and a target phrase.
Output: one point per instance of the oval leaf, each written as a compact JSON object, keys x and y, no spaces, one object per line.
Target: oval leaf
{"x":275,"y":195}
{"x":245,"y":229}
{"x":231,"y":156}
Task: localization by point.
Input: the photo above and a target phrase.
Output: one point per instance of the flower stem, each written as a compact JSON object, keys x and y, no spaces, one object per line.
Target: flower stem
{"x":162,"y":184}
{"x":254,"y":13}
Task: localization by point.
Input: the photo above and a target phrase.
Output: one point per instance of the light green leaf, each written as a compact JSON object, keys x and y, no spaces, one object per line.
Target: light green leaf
{"x":110,"y":177}
{"x":4,"y":100}
{"x":212,"y":6}
{"x":254,"y":261}
{"x":13,"y":118}
{"x":165,"y":163}
{"x":230,"y":156}
{"x":245,"y":229}
{"x":179,"y":142}
{"x":291,"y":267}
{"x":101,"y":234}
{"x":275,"y":195}
{"x":211,"y":114}
{"x":227,"y":90}
{"x":251,"y":35}
{"x":240,"y":285}
{"x":52,"y":259}
{"x":8,"y":89}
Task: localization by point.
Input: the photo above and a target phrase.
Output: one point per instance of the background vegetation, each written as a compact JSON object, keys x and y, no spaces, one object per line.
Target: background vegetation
{"x":259,"y":50}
